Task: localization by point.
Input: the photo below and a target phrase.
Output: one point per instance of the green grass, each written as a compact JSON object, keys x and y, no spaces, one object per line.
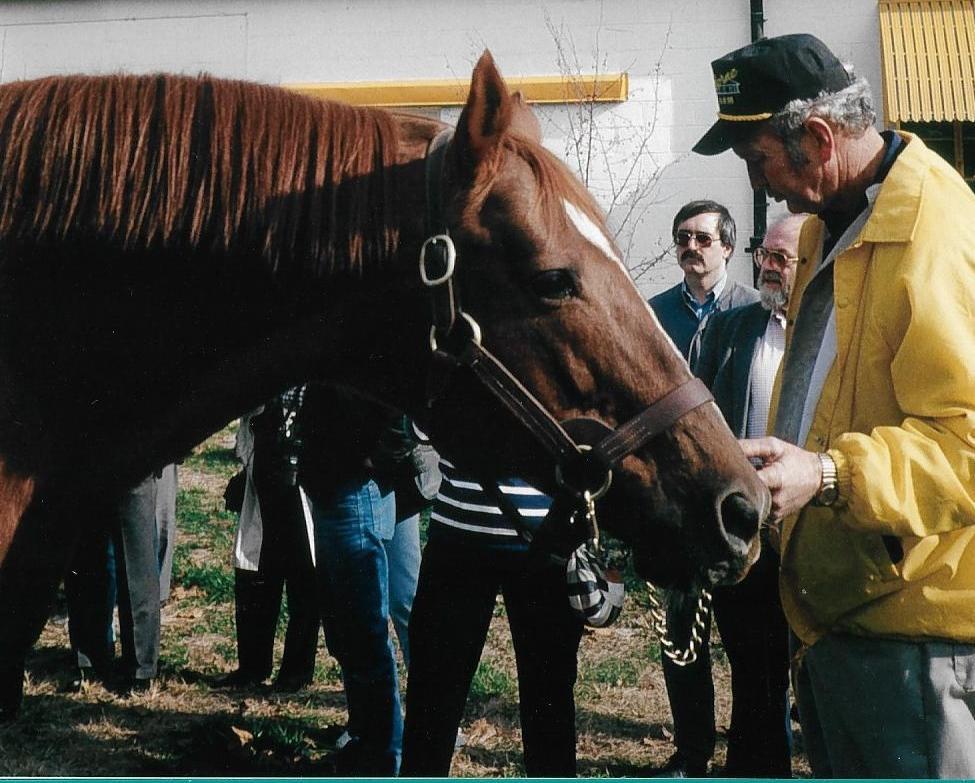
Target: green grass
{"x":327,"y":670}
{"x":174,"y":656}
{"x":215,"y":460}
{"x":216,"y":583}
{"x":491,"y":681}
{"x":193,"y":515}
{"x":617,"y":672}
{"x":287,"y":738}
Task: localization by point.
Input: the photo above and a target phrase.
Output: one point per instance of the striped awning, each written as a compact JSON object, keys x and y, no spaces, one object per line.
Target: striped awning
{"x":928,"y":51}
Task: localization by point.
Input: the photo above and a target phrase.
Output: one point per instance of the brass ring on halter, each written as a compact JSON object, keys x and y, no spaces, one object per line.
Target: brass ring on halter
{"x":473,"y":325}
{"x":593,"y":494}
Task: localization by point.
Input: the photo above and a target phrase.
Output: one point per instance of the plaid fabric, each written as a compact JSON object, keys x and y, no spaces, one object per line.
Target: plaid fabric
{"x":596,"y":600}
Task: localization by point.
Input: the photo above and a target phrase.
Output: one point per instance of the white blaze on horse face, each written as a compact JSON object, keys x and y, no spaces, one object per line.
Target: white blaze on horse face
{"x":595,"y":236}
{"x":589,"y":230}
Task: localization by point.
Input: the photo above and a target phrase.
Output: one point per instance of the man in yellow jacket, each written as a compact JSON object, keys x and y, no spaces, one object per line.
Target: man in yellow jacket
{"x":872,"y":467}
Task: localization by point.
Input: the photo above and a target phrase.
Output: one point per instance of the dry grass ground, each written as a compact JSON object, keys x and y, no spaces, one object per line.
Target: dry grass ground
{"x":182,"y":727}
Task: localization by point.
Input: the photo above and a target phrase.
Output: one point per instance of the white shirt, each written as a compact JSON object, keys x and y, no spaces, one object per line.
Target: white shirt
{"x":765,"y":364}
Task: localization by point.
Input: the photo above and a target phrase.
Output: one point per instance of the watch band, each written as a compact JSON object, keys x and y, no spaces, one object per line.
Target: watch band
{"x":828,"y":486}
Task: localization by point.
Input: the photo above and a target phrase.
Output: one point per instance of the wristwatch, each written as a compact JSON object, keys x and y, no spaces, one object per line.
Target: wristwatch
{"x":829,"y":490}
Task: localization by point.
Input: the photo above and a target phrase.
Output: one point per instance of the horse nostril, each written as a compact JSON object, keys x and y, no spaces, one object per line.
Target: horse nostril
{"x":740,"y":519}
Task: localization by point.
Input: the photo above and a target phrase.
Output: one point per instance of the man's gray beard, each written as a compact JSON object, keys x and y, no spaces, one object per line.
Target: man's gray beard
{"x":773,"y":298}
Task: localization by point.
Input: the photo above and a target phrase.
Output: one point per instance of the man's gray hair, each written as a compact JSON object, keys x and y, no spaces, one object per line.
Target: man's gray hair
{"x":850,"y":110}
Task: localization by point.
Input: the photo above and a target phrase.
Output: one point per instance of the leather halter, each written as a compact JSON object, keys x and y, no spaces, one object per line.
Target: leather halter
{"x":584,"y":450}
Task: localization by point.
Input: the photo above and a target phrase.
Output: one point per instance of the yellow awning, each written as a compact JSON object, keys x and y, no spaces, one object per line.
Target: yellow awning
{"x":928,"y":49}
{"x":453,"y":92}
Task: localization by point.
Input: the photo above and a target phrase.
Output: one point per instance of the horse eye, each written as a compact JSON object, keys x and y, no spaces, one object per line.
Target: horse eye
{"x":554,"y":284}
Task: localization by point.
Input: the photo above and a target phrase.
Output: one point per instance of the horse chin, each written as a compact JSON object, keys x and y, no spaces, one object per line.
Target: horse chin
{"x":731,"y":571}
{"x":682,"y":574}
{"x":724,"y":574}
{"x":670,"y":573}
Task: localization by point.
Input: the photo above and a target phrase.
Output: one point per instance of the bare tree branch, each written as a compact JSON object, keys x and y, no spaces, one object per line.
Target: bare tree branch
{"x":612,"y":154}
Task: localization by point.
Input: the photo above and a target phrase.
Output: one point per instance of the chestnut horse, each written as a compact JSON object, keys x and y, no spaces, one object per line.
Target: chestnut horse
{"x":175,"y":250}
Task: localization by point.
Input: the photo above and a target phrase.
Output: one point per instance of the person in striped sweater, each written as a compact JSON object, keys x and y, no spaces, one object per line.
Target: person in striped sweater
{"x":474,"y":552}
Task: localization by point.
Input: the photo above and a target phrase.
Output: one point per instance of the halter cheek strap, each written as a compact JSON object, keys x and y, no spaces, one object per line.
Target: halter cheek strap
{"x":583,"y":462}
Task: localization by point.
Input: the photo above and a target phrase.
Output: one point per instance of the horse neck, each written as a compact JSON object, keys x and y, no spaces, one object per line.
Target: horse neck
{"x":380,"y":318}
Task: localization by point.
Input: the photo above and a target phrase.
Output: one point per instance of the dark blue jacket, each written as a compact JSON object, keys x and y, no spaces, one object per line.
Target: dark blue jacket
{"x":681,"y":324}
{"x":725,"y":364}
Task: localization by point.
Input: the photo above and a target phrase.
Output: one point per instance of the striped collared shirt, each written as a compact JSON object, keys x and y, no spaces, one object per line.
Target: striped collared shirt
{"x":463,"y":505}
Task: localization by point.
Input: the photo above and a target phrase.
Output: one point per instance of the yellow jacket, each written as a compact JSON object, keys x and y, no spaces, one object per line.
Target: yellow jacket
{"x":897,"y":414}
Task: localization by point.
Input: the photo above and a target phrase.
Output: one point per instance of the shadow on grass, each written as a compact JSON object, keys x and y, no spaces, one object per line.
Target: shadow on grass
{"x":56,"y":734}
{"x":50,"y":662}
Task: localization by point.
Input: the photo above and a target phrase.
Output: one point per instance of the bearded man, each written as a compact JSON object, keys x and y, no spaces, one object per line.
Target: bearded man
{"x":740,"y":354}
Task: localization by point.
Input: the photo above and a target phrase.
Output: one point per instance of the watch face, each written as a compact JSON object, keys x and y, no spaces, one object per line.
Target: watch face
{"x":828,"y":495}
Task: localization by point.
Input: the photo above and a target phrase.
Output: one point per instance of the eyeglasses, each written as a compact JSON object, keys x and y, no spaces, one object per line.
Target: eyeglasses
{"x":760,"y":254}
{"x":703,"y":239}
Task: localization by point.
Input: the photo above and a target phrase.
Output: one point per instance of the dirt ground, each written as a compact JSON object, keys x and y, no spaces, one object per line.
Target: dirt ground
{"x":182,"y":727}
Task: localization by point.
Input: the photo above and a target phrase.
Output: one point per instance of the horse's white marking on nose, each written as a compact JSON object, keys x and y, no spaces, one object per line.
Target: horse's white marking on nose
{"x":592,"y":233}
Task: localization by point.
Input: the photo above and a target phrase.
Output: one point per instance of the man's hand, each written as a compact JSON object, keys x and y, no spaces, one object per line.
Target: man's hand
{"x":792,"y":475}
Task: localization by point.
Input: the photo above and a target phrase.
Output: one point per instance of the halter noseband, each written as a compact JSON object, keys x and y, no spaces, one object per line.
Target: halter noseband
{"x":584,"y":450}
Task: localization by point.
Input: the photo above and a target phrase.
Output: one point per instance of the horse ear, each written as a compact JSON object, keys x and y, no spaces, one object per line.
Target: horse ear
{"x":523,"y":119}
{"x":486,"y":116}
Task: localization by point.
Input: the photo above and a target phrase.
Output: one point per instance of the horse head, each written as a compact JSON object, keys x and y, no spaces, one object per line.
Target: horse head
{"x":540,"y":279}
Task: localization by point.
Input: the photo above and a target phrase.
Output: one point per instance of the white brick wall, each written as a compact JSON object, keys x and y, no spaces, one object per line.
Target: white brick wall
{"x":357,"y":40}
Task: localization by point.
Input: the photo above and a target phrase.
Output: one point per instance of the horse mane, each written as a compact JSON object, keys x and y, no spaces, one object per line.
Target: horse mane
{"x":197,"y":164}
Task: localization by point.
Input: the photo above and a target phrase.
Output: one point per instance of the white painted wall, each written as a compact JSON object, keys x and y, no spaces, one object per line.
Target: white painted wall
{"x":666,"y":47}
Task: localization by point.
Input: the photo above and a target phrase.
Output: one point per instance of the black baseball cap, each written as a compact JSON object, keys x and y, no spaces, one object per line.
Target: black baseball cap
{"x":758,"y":80}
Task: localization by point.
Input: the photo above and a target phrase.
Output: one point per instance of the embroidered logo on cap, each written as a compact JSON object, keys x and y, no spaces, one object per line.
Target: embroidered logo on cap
{"x":727,"y":87}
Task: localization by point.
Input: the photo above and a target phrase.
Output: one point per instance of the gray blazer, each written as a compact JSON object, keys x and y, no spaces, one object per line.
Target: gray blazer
{"x":679,"y":322}
{"x":727,"y":354}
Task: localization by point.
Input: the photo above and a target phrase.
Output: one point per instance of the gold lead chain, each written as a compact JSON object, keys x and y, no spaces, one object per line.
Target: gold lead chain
{"x":659,"y":624}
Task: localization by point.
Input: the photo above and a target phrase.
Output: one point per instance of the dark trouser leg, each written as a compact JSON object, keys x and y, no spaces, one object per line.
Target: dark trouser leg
{"x":546,"y":637}
{"x":813,"y":738}
{"x":756,"y":638}
{"x":137,"y":579}
{"x":285,"y":562}
{"x":257,"y":600}
{"x":301,"y":639}
{"x":691,"y":693}
{"x":90,"y":593}
{"x":29,"y":578}
{"x":452,"y":610}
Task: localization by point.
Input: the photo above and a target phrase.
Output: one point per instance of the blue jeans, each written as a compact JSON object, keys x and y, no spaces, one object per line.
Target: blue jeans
{"x":352,"y":531}
{"x":403,"y":552}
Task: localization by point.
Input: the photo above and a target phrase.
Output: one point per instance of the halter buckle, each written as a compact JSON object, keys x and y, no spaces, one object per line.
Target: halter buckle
{"x":447,"y":260}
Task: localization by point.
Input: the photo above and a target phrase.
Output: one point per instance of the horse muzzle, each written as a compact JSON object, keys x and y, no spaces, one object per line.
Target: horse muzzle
{"x":739,"y":517}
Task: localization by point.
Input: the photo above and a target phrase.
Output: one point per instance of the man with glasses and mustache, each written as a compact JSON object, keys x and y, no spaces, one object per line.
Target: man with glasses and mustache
{"x":872,"y":465}
{"x":704,"y":238}
{"x":740,"y":354}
